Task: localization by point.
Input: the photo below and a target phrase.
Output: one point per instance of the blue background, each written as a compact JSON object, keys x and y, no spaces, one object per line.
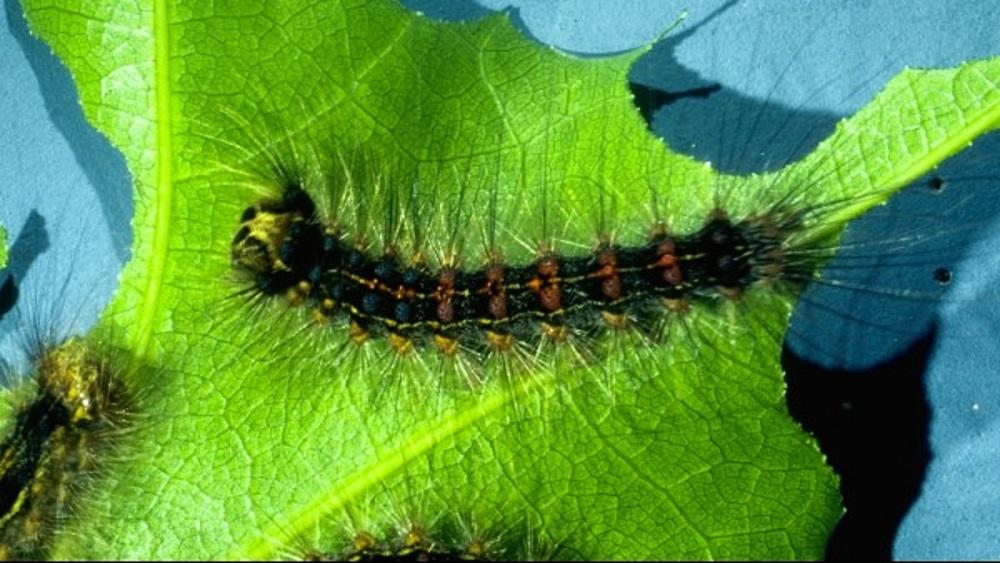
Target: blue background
{"x":777,"y":77}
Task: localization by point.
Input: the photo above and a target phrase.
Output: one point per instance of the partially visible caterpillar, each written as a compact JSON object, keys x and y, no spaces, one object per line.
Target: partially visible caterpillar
{"x":414,"y":544}
{"x":49,"y":451}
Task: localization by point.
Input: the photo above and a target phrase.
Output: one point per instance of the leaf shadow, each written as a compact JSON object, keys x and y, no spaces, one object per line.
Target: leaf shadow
{"x":873,"y":427}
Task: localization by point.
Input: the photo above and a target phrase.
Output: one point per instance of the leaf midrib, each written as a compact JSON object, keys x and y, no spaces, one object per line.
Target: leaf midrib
{"x":163,"y":191}
{"x":987,"y":120}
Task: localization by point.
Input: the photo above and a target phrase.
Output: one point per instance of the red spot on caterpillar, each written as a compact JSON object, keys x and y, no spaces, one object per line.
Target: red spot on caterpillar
{"x":668,"y":263}
{"x":611,"y":283}
{"x":498,"y":306}
{"x":548,"y":266}
{"x":444,"y":294}
{"x":494,"y":288}
{"x":673,"y":275}
{"x":546,"y":284}
{"x":550,"y":297}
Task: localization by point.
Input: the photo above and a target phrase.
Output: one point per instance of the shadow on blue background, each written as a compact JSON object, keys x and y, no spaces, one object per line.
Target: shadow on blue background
{"x":880,"y":453}
{"x":449,"y":11}
{"x":32,"y":240}
{"x":65,"y":197}
{"x":703,"y":128}
{"x":103,"y":165}
{"x":734,"y":132}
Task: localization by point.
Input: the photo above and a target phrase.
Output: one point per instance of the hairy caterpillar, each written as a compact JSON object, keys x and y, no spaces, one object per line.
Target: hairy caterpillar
{"x":412,"y":545}
{"x":292,"y":253}
{"x":388,"y":535}
{"x":74,"y":403}
{"x":405,"y":288}
{"x":66,"y":422}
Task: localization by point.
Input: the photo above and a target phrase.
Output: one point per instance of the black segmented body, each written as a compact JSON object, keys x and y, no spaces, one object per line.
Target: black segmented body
{"x":412,"y":302}
{"x":23,"y":449}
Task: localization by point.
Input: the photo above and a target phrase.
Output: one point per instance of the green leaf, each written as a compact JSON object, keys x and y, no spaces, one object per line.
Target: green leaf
{"x":256,"y":431}
{"x":3,"y":247}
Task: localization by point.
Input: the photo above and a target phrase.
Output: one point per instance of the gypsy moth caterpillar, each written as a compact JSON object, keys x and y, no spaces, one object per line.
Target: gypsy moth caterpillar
{"x":70,"y":406}
{"x":67,"y":422}
{"x":384,"y":532}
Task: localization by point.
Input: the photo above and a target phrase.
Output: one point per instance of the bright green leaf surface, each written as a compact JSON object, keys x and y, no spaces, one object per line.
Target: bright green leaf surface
{"x":3,"y":247}
{"x":255,"y":431}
